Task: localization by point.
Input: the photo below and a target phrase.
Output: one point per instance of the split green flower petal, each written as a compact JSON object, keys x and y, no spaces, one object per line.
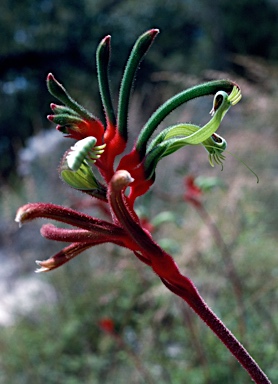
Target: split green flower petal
{"x":175,"y":137}
{"x":83,"y":179}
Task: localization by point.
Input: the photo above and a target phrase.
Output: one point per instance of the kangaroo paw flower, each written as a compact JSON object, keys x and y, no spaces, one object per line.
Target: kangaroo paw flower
{"x":119,"y":185}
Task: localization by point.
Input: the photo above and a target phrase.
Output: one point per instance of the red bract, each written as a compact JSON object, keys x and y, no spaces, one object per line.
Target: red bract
{"x":97,"y":146}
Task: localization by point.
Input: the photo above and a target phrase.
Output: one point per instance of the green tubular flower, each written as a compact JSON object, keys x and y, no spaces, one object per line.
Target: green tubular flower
{"x":140,"y":48}
{"x":102,"y":61}
{"x":164,"y":110}
{"x":221,"y":104}
{"x":63,"y":110}
{"x":173,"y":138}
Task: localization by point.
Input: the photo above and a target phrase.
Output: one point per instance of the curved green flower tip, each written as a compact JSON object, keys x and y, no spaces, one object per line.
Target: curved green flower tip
{"x":84,"y":151}
{"x":235,"y":96}
{"x":63,"y":110}
{"x":192,"y":134}
{"x":57,"y":90}
{"x":65,"y":119}
{"x":223,"y":101}
{"x":174,"y":102}
{"x":215,"y":145}
{"x":103,"y":50}
{"x":173,"y":138}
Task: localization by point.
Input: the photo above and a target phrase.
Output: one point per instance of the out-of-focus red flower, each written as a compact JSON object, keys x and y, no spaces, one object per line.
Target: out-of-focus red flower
{"x":192,"y":192}
{"x":106,"y":324}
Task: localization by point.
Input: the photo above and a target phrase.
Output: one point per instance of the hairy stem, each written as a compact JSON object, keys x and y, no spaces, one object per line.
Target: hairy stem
{"x":197,"y":303}
{"x":165,"y":267}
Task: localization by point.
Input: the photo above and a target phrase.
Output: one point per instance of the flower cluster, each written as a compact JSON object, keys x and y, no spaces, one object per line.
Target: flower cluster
{"x":98,"y":145}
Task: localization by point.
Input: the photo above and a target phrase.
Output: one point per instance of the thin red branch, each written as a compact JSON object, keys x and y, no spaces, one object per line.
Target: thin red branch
{"x":166,"y":268}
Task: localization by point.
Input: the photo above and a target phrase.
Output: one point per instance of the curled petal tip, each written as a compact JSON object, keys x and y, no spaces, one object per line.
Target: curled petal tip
{"x":235,"y":96}
{"x":19,"y":223}
{"x":106,"y":39}
{"x":212,"y":111}
{"x":41,"y":269}
{"x":19,"y":217}
{"x":121,"y":179}
{"x":154,"y":31}
{"x":50,"y":76}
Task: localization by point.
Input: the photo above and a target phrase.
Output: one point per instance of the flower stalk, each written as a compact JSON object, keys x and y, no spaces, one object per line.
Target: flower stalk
{"x":123,"y":182}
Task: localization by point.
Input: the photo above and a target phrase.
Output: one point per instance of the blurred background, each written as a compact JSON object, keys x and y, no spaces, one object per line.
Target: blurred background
{"x":104,"y":317}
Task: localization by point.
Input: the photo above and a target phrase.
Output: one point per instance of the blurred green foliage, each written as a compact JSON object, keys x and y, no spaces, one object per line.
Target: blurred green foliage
{"x":61,"y":36}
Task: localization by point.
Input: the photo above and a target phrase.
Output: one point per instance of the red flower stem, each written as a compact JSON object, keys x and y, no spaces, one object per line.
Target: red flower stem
{"x":165,"y":267}
{"x":200,"y":307}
